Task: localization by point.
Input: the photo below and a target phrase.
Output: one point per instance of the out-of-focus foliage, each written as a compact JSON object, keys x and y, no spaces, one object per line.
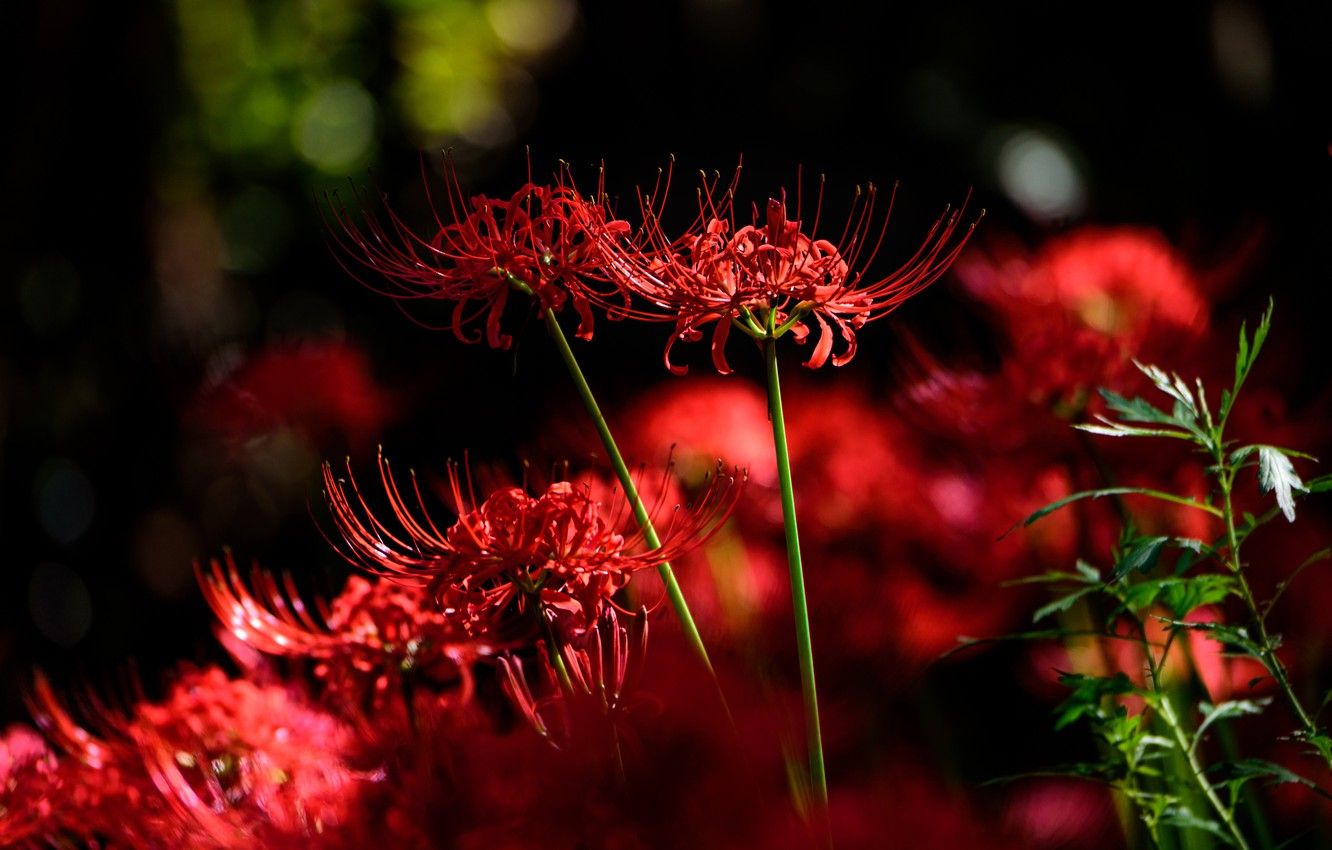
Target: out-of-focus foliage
{"x":270,"y":84}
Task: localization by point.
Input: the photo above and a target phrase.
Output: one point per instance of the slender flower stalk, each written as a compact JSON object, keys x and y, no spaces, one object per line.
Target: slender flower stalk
{"x":626,"y":479}
{"x":804,"y":646}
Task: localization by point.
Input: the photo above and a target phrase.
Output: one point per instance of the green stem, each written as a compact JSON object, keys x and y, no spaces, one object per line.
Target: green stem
{"x":1226,"y":479}
{"x":673,"y":591}
{"x":1167,"y":714}
{"x":804,"y":646}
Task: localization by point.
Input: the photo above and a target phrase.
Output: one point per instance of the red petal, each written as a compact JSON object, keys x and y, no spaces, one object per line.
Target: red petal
{"x":823,"y":347}
{"x":719,"y":335}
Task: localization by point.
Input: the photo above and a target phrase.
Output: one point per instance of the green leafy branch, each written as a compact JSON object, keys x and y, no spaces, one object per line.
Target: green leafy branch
{"x":1180,"y":575}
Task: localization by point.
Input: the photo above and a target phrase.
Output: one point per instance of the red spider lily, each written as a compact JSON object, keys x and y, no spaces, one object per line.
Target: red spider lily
{"x":374,"y":639}
{"x":219,"y":763}
{"x":540,"y":240}
{"x":602,"y":666}
{"x":766,"y":278}
{"x":558,"y":551}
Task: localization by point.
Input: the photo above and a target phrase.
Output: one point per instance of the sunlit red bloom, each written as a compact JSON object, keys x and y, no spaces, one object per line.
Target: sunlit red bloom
{"x":539,"y":237}
{"x":560,"y":550}
{"x":218,"y":763}
{"x":318,"y":389}
{"x":768,"y":277}
{"x":374,"y":638}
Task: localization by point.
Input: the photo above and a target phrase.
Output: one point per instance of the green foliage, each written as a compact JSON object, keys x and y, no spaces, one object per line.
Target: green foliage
{"x":1148,"y":752}
{"x":1088,"y":697}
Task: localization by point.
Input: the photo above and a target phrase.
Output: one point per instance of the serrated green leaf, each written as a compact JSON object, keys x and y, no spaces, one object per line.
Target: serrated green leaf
{"x":1247,"y":355}
{"x":1061,"y":604}
{"x":1254,"y":768}
{"x":1323,"y":744}
{"x":1088,"y":693}
{"x":1129,"y":431}
{"x":1136,"y":409}
{"x":1141,"y":555}
{"x":1099,"y":771}
{"x":1321,"y":484}
{"x":1185,"y":594}
{"x":1182,"y":818}
{"x":1277,"y":474}
{"x":1087,"y":571}
{"x":1086,"y":574}
{"x":1118,"y":491}
{"x":1242,"y":361}
{"x":1234,"y":637}
{"x":1185,"y":412}
{"x":1224,"y":711}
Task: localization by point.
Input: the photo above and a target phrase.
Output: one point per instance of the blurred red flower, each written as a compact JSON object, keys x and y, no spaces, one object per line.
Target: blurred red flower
{"x":219,"y":763}
{"x":321,"y":390}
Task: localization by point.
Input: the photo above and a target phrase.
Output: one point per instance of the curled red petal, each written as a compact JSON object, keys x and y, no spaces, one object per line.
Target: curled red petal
{"x":719,"y":335}
{"x":823,"y":347}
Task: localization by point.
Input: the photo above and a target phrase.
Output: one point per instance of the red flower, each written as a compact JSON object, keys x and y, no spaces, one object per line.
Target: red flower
{"x":29,"y":783}
{"x":319,"y":389}
{"x":374,"y":639}
{"x":766,"y":278}
{"x":1078,"y":309}
{"x":559,"y":551}
{"x":218,"y":763}
{"x":538,"y":240}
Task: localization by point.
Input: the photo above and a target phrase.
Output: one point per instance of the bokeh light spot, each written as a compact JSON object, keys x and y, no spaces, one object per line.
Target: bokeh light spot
{"x":65,"y":500}
{"x":1039,"y":174}
{"x":59,"y":603}
{"x":165,"y":546}
{"x":1242,"y":50}
{"x":532,"y":26}
{"x":334,"y":127}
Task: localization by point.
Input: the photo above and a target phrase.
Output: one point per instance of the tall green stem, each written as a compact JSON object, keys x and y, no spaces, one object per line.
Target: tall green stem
{"x":804,"y":647}
{"x":673,"y":591}
{"x":1167,"y":714}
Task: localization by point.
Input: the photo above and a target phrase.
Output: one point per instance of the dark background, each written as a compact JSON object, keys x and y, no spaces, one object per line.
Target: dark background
{"x":1207,"y":120}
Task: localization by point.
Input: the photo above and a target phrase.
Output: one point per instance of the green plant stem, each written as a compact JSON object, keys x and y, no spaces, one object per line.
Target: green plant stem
{"x":1226,"y":479}
{"x":804,"y":648}
{"x":673,"y":591}
{"x":1167,"y":714}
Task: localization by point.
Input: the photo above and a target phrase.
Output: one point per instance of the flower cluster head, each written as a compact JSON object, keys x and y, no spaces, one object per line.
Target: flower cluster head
{"x":516,"y":557}
{"x":766,"y":278}
{"x":219,"y":762}
{"x":539,"y":241}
